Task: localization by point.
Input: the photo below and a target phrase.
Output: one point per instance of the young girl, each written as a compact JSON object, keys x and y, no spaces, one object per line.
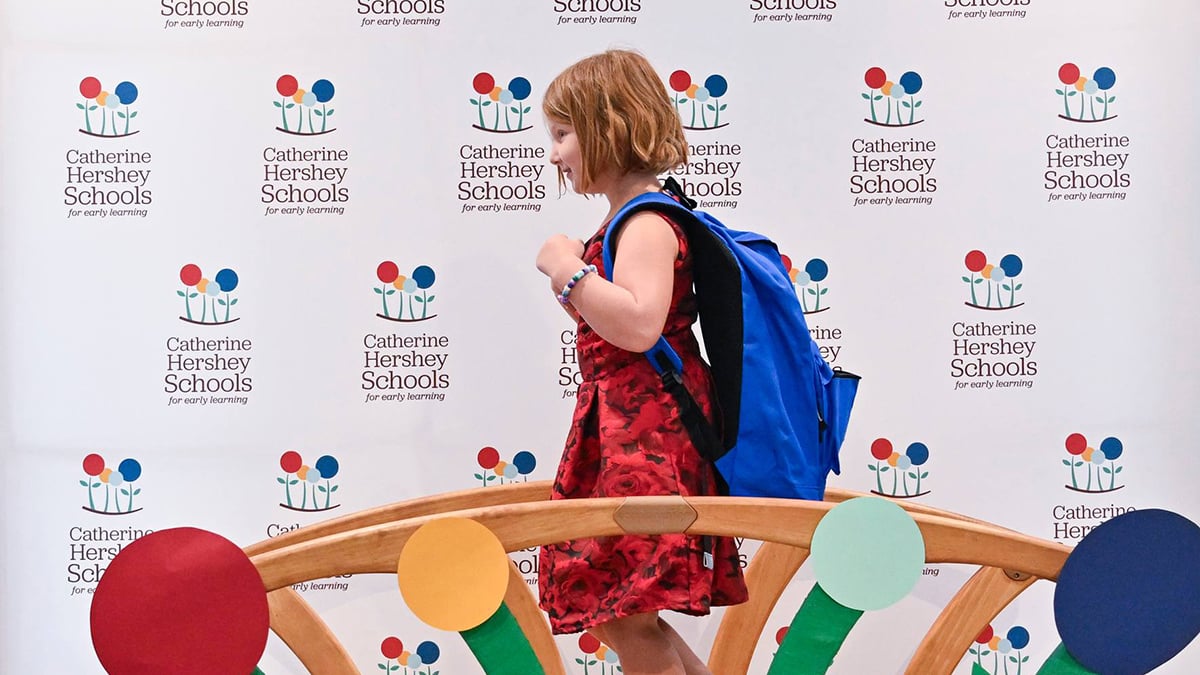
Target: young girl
{"x":614,"y":130}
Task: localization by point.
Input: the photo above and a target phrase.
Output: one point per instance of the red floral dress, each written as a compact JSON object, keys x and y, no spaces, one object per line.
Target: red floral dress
{"x":626,"y":439}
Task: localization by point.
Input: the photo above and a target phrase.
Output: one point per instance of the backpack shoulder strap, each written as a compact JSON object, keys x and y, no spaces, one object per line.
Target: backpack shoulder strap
{"x":650,"y":201}
{"x":661,"y":356}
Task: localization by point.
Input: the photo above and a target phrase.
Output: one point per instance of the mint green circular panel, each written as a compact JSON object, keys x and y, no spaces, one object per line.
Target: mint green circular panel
{"x":867,"y":553}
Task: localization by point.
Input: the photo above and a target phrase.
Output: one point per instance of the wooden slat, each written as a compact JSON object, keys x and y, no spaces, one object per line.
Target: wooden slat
{"x":785,"y":525}
{"x":303,"y":631}
{"x":523,"y":605}
{"x":767,"y":575}
{"x":974,"y":606}
{"x":476,"y":498}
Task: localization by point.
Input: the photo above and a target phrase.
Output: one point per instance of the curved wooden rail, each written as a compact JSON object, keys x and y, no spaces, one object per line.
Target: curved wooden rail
{"x":521,"y":517}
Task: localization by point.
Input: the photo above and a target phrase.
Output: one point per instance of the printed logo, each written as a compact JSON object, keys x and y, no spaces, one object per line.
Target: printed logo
{"x":808,"y":283}
{"x":196,"y":285}
{"x":314,"y":496}
{"x":119,"y":490}
{"x":596,"y":653}
{"x":1001,"y":278}
{"x":1101,"y":463}
{"x":210,"y":370}
{"x":421,"y":280}
{"x":523,"y":463}
{"x":105,"y":183}
{"x":304,"y":181}
{"x":405,"y":367}
{"x":691,"y":98}
{"x":902,"y":467}
{"x":511,"y":99}
{"x":886,"y":172}
{"x":785,"y":11}
{"x":494,"y":178}
{"x":425,"y":655}
{"x":305,"y":103}
{"x":881,"y":87}
{"x":1088,"y":93}
{"x":1003,"y":650}
{"x":115,"y":115}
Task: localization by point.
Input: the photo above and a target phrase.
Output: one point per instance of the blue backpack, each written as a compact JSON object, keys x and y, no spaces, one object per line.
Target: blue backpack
{"x":783,"y":410}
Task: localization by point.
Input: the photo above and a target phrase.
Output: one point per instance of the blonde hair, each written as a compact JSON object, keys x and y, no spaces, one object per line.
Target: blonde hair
{"x":621,"y":114}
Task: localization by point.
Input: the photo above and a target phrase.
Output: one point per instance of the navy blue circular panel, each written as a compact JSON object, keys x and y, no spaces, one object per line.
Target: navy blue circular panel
{"x":1128,"y":597}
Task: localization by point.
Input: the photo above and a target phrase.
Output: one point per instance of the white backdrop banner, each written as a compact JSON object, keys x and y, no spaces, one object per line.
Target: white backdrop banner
{"x":266,"y":263}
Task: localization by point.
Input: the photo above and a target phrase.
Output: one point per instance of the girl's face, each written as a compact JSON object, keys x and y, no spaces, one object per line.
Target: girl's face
{"x":564,"y":152}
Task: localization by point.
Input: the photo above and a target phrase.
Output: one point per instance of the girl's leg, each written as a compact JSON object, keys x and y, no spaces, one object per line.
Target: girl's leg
{"x":642,"y":645}
{"x":692,"y":664}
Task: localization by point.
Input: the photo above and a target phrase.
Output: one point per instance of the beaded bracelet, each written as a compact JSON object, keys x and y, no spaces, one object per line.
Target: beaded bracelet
{"x":565,"y":296}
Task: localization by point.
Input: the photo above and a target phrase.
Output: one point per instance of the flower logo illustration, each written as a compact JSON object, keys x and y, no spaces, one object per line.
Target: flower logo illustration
{"x":909,"y":465}
{"x":597,"y":653}
{"x":113,"y":106}
{"x":426,"y":654}
{"x":195,"y":284}
{"x":690,"y":97}
{"x":511,"y":98}
{"x":1092,"y":91}
{"x":1001,"y":280}
{"x":421,"y":280}
{"x":808,"y":282}
{"x":305,"y":103}
{"x":118,"y":485}
{"x":1101,"y":463}
{"x":309,"y":478}
{"x":522,"y":464}
{"x":1003,"y":650}
{"x":881,"y":87}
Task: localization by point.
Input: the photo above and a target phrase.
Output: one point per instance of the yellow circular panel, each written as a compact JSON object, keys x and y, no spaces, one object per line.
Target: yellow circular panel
{"x":453,"y":573}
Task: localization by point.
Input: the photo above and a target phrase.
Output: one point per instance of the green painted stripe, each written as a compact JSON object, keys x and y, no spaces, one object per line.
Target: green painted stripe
{"x":258,"y":671}
{"x":501,"y":647}
{"x":815,"y":636}
{"x":1062,"y":663}
{"x":977,"y":669}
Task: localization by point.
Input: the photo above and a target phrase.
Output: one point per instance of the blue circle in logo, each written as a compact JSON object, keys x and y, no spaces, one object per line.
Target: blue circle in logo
{"x":1011,"y":264}
{"x":1105,"y":78}
{"x":911,"y":82}
{"x":227,"y":279}
{"x":323,"y":90}
{"x":424,"y":276}
{"x":127,"y":92}
{"x":520,"y":88}
{"x":817,"y":269}
{"x":328,"y":466}
{"x":429,"y":652}
{"x":525,"y":462}
{"x":130,"y":469}
{"x":716,"y":86}
{"x":1112,"y":447}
